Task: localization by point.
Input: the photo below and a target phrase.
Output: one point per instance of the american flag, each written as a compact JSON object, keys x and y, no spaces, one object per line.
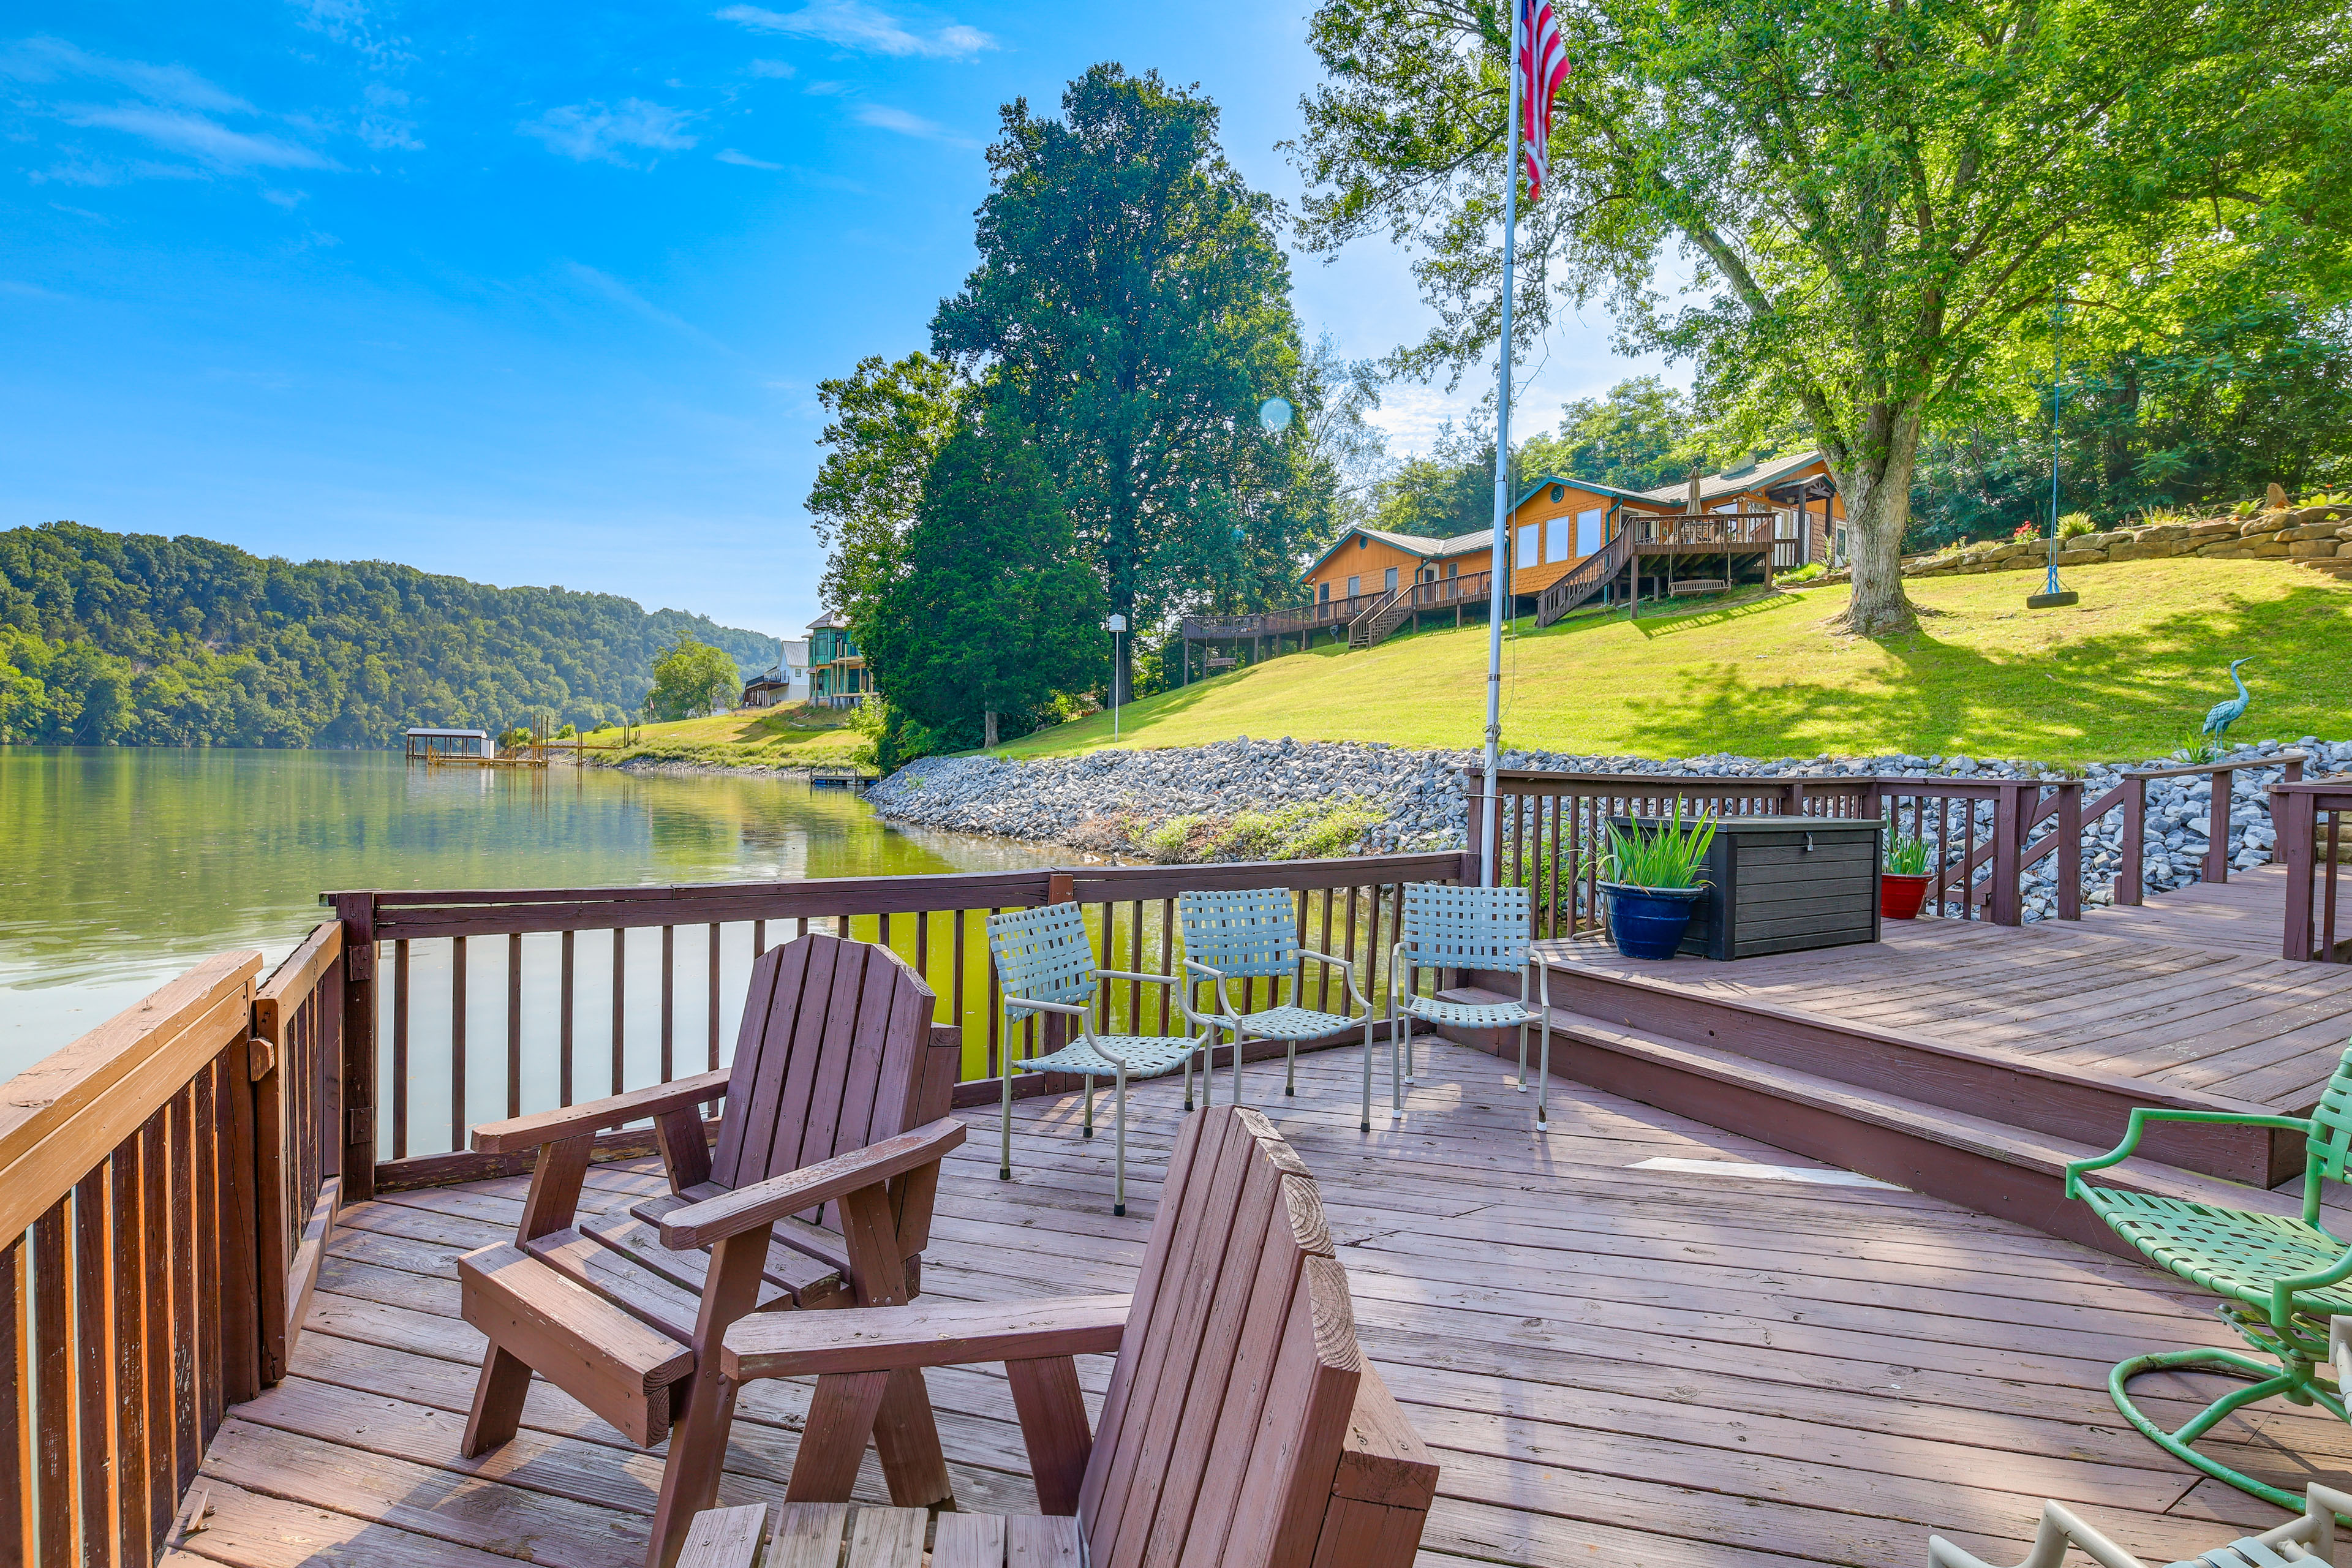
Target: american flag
{"x":1542,"y":66}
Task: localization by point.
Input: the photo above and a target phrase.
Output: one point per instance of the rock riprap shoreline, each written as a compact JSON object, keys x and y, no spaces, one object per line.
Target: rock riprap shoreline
{"x":1246,"y":799}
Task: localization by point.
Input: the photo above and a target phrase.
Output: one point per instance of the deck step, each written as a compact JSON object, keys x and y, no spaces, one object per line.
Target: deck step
{"x":1985,"y":1164}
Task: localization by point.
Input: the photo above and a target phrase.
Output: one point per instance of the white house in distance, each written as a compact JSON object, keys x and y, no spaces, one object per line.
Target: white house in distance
{"x":786,"y":680}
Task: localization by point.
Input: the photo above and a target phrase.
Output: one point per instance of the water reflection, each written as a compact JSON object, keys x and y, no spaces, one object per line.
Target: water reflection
{"x":120,"y":867}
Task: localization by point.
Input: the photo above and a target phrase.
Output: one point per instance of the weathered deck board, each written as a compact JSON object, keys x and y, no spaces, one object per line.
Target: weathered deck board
{"x":1768,"y":1372}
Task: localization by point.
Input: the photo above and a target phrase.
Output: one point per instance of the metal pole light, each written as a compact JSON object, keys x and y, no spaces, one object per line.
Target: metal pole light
{"x":1117,"y":624}
{"x":2054,"y":593}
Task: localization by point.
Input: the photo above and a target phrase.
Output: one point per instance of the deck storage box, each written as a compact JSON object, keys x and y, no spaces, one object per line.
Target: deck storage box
{"x":1780,"y":884}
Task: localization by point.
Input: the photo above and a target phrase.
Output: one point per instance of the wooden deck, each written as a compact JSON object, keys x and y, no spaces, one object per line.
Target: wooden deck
{"x":1759,"y":1371}
{"x":2188,"y":991}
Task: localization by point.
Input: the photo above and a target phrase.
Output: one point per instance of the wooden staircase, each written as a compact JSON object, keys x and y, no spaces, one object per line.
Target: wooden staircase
{"x":1378,"y":622}
{"x":1592,"y":575}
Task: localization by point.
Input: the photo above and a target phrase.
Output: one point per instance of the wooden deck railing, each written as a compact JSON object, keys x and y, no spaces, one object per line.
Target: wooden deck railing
{"x":2310,"y":818}
{"x":1550,"y":832}
{"x":127,"y":1286}
{"x":1661,"y":531}
{"x":592,"y":990}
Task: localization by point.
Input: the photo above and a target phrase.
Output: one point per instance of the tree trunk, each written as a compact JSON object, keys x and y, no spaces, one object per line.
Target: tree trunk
{"x":988,"y":728}
{"x":1876,"y":485}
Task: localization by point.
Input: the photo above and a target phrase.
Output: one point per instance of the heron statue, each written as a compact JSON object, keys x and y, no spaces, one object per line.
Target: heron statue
{"x":2230,"y":710}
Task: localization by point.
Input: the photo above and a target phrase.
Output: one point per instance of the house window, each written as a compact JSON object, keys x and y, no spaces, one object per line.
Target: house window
{"x":1589,"y":526}
{"x":1555,"y":539}
{"x":1559,"y":494}
{"x":1323,"y":594}
{"x":1355,"y":586}
{"x":1390,"y":581}
{"x":1527,"y":554}
{"x":1454,"y":569}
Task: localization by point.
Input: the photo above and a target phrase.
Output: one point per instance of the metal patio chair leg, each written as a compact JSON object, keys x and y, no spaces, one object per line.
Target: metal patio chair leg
{"x":1366,"y":1124}
{"x":1087,"y":1078}
{"x":1119,"y":1176}
{"x":1004,"y":1158}
{"x":1543,"y":1065}
{"x":2293,"y":1379}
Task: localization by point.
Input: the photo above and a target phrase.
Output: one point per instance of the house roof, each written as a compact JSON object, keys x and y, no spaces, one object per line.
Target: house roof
{"x":1591,"y":487}
{"x":1419,"y":544}
{"x":1739,"y":481}
{"x":831,"y":621}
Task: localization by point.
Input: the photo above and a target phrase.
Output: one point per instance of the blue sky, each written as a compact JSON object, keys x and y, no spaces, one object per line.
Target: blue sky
{"x":541,"y":294}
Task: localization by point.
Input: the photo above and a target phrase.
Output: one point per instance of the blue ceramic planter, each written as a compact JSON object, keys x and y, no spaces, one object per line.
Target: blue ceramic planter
{"x":1649,"y":923}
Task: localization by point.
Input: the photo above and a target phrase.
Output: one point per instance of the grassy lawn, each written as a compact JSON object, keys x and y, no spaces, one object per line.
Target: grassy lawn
{"x":796,"y":737}
{"x":2128,"y":673}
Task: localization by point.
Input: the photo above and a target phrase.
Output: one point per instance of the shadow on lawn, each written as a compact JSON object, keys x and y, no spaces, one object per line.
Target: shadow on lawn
{"x":2133,"y":695}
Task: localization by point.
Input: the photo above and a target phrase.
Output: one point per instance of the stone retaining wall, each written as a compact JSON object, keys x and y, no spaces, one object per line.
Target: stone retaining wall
{"x":2315,"y":534}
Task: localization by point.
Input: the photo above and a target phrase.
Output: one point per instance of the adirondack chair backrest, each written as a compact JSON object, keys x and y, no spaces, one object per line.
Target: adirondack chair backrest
{"x":1465,"y":927}
{"x":2330,"y":1143}
{"x":831,"y":1058}
{"x":1230,"y":1401}
{"x":1043,"y":954}
{"x":1244,"y":933}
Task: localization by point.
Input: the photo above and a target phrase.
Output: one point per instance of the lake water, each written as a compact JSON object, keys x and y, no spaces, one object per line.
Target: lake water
{"x":120,"y":867}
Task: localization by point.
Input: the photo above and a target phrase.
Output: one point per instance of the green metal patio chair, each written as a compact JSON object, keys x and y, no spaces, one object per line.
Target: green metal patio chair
{"x":2310,"y":1538}
{"x":1444,"y":927}
{"x":1249,"y":934}
{"x":2282,"y":1281}
{"x":1045,"y":963}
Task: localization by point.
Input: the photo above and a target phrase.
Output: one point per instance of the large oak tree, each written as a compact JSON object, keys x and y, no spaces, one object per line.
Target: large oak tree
{"x":1878,"y":198}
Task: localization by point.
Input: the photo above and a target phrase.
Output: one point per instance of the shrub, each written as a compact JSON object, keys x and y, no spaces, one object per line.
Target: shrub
{"x":1804,"y":573}
{"x":2076,"y":522}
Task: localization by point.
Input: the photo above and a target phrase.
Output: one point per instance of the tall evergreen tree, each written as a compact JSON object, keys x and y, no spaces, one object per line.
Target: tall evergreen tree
{"x":990,"y":611}
{"x":1131,"y":307}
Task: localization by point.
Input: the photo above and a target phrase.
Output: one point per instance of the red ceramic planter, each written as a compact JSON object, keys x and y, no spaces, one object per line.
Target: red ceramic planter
{"x":1899,"y":897}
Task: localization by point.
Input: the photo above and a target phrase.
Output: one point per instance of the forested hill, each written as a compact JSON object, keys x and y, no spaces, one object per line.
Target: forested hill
{"x":136,"y":639}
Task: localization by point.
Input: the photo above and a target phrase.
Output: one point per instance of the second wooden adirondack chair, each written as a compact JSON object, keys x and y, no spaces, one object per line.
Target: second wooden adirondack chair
{"x":835,"y":1107}
{"x":1243,"y":1427}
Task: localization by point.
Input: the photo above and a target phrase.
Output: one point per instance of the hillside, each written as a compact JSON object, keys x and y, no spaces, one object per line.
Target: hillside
{"x":2127,"y":674}
{"x":801,"y":736}
{"x":137,"y":639}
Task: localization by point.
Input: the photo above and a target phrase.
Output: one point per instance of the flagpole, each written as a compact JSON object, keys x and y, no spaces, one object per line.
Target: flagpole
{"x":1499,"y":584}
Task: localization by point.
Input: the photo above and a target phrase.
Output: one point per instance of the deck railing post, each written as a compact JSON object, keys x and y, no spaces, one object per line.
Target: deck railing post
{"x":351,"y":1099}
{"x":2130,"y":875}
{"x":2296,"y":815}
{"x":2217,"y":843}
{"x":2009,"y":830}
{"x":2069,"y":853}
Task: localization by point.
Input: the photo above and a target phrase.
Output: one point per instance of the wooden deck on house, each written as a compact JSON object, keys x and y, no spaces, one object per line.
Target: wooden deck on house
{"x":1759,"y":1371}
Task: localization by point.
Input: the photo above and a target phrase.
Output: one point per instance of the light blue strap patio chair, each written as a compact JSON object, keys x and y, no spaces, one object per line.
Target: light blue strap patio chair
{"x":1252,"y":934}
{"x":2308,"y":1539}
{"x":1046,"y":964}
{"x":1442,"y":928}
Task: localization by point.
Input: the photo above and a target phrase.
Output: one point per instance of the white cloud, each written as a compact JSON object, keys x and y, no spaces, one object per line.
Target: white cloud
{"x":46,"y":60}
{"x":854,"y":25}
{"x":776,"y":68}
{"x":746,"y":161}
{"x":882,"y":117}
{"x":620,"y":293}
{"x":381,"y":126}
{"x":592,"y":132}
{"x":208,"y":140}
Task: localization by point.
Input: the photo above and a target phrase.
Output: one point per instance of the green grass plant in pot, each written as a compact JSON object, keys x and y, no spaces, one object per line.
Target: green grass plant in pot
{"x":1654,"y":884}
{"x":1903,"y":885}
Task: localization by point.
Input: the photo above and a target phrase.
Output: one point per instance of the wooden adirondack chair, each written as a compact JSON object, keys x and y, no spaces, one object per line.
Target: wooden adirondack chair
{"x":835,"y":1110}
{"x":1242,"y":1430}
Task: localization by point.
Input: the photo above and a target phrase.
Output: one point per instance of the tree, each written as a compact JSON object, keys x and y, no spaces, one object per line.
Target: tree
{"x":1879,"y":201}
{"x":1641,"y":435}
{"x":889,"y":422}
{"x":690,"y":680}
{"x":1447,"y":491}
{"x":992,"y":612}
{"x":1131,"y":308}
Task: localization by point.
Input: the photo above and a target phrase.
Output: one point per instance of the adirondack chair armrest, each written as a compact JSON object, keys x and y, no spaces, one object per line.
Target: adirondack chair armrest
{"x":2142,"y":1115}
{"x":950,"y":1333}
{"x":594,"y":1116}
{"x":765,"y":1203}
